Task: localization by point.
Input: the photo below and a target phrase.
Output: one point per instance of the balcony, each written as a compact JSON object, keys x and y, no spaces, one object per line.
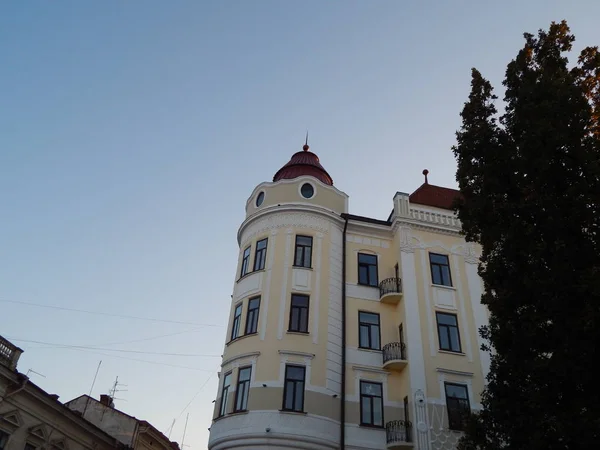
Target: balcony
{"x":390,"y":291}
{"x":397,"y":433}
{"x":394,"y":356}
{"x":9,"y":354}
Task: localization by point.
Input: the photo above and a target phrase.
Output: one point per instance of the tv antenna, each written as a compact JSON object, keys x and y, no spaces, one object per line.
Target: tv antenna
{"x":33,"y":371}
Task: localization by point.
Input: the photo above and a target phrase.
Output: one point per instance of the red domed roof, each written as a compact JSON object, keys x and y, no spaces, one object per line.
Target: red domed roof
{"x":303,"y":163}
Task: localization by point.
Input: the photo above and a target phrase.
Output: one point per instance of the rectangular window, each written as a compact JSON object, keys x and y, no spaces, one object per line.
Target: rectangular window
{"x":260,"y":256}
{"x":243,"y":389}
{"x":293,"y":390}
{"x":252,"y":315}
{"x":440,"y":269}
{"x":237,"y":318}
{"x":371,"y":404}
{"x":299,"y":313}
{"x":303,"y":253}
{"x":245,"y":262}
{"x":368,"y":331}
{"x":448,"y":332}
{"x":225,"y":394}
{"x":367,"y":269}
{"x":29,"y":446}
{"x":457,"y":403}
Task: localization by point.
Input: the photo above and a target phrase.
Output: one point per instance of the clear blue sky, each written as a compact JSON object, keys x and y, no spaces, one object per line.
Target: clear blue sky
{"x":132,"y":133}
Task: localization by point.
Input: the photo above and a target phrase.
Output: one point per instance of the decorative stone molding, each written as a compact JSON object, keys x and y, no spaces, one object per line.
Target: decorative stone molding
{"x":406,"y":244}
{"x":251,"y":355}
{"x":275,"y":221}
{"x":454,"y":372}
{"x":470,"y":253}
{"x":295,"y":353}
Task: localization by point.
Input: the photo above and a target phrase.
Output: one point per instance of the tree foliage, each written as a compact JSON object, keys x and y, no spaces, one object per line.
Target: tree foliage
{"x":530,"y":184}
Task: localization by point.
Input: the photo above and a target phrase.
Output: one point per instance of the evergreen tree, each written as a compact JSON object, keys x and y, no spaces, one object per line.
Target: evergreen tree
{"x":530,"y":184}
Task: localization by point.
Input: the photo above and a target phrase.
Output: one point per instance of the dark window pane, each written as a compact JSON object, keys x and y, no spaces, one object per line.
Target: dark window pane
{"x":245,"y":374}
{"x":454,"y":341}
{"x":446,"y":276}
{"x":253,"y":303}
{"x":373,"y":275}
{"x":307,"y":256}
{"x":364,"y":336}
{"x":446,"y":319}
{"x":366,"y":410}
{"x":367,"y":259}
{"x":375,"y":337}
{"x":369,"y":318}
{"x":436,"y":275}
{"x":295,"y":319}
{"x":363,"y":277}
{"x":439,"y":259}
{"x":377,"y":412}
{"x":456,"y":391}
{"x":261,"y":244}
{"x":295,"y":373}
{"x":289,"y":395}
{"x":304,"y":319}
{"x":299,"y":300}
{"x":299,"y":399}
{"x":444,"y":341}
{"x":304,"y":240}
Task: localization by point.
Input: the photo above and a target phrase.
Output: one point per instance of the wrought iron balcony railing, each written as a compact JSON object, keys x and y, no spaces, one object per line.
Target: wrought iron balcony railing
{"x":394,"y":351}
{"x":390,"y":286}
{"x":398,"y":431}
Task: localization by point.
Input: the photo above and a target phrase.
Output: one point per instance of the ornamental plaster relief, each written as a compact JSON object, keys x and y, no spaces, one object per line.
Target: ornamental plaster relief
{"x":285,"y":220}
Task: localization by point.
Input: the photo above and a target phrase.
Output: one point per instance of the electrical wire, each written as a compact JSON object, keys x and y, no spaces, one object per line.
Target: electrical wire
{"x":112,"y":349}
{"x":144,"y":339}
{"x":136,"y":359}
{"x":189,"y":403}
{"x":122,"y":316}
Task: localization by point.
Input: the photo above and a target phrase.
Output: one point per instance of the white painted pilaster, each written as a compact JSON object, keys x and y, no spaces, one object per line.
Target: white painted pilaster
{"x":286,"y":268}
{"x":317,"y":289}
{"x":264,"y":307}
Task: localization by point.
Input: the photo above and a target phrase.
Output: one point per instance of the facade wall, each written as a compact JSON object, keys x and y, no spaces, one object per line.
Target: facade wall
{"x":31,"y":417}
{"x":414,"y":388}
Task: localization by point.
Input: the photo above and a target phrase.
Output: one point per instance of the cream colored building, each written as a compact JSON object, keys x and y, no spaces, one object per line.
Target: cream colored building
{"x":346,"y":331}
{"x":31,"y":419}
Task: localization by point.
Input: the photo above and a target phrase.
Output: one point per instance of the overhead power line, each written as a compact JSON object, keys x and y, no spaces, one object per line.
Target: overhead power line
{"x":99,"y":313}
{"x":138,"y":360}
{"x":113,"y":349}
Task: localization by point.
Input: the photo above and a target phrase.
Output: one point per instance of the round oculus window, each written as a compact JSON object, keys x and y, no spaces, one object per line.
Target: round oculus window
{"x":307,"y":190}
{"x":260,"y":198}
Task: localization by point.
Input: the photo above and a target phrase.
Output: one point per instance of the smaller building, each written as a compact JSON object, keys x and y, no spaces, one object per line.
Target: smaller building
{"x":128,"y":430}
{"x":30,"y":418}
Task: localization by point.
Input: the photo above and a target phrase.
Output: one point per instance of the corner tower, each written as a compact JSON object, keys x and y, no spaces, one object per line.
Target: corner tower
{"x":280,"y":380}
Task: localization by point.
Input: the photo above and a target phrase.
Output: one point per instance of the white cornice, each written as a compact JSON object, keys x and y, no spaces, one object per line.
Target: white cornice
{"x":241,"y":356}
{"x":283,"y":215}
{"x":295,"y":353}
{"x":454,"y":372}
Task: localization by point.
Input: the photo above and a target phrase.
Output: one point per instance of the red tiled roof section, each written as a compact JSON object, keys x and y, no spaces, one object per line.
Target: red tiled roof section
{"x":303,"y":163}
{"x":435,"y":196}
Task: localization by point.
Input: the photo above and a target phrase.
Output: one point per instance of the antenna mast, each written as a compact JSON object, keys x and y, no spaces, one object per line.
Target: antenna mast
{"x":184,"y":429}
{"x":91,"y":389}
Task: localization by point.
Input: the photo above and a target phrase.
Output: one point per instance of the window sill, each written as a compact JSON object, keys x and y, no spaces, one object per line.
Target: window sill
{"x":240,"y":338}
{"x":374,"y":427}
{"x":291,"y":411}
{"x":368,"y":285}
{"x":246,"y":275}
{"x":302,"y":267}
{"x":443,"y":286}
{"x":450,"y":352}
{"x":372,"y":350}
{"x":235,"y":413}
{"x":301,"y":333}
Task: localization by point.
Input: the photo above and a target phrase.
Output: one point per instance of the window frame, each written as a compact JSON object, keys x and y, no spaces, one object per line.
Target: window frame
{"x":244,"y":268}
{"x":225,"y":394}
{"x":245,"y":389}
{"x":260,"y":261}
{"x":439,"y":265}
{"x":454,"y":426}
{"x":4,"y":434}
{"x":361,"y":395}
{"x":299,"y":314}
{"x":303,"y":250}
{"x":447,"y":331}
{"x":295,"y":385}
{"x":237,"y":321}
{"x":369,"y":325}
{"x":359,"y":265}
{"x":254,"y":321}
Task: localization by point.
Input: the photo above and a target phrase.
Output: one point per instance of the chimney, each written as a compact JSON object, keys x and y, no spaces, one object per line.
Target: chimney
{"x":53,"y":396}
{"x":106,"y":400}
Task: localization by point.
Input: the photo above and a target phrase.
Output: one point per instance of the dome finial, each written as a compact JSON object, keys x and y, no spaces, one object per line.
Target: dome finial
{"x":306,"y":147}
{"x":426,"y":172}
